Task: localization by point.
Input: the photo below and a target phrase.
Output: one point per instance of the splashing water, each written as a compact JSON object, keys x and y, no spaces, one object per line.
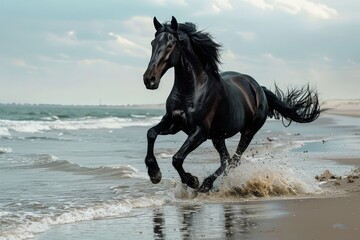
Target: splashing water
{"x":264,"y":179}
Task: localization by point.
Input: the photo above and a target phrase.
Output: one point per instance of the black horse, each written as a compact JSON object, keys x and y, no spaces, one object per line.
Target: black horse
{"x":207,"y":104}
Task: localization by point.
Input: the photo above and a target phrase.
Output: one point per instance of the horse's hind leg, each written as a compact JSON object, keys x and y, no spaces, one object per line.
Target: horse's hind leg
{"x":246,"y":137}
{"x":245,"y":140}
{"x":224,"y":159}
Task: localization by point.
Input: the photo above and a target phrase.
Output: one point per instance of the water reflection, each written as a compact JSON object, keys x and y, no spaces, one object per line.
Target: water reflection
{"x":209,"y":221}
{"x":158,"y":222}
{"x":187,"y":214}
{"x":239,"y":220}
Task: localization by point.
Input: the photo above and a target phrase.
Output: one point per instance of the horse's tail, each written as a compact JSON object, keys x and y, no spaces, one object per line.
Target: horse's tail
{"x":299,"y":105}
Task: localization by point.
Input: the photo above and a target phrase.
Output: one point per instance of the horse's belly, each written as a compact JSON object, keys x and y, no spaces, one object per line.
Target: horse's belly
{"x":222,"y":134}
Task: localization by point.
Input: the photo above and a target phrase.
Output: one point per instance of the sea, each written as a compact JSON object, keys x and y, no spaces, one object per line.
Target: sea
{"x":82,"y":166}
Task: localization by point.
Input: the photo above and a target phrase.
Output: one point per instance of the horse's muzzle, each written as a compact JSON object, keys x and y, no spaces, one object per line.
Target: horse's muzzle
{"x":150,"y":82}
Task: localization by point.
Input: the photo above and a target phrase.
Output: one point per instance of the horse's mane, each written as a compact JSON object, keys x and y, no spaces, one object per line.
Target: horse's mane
{"x":205,"y":48}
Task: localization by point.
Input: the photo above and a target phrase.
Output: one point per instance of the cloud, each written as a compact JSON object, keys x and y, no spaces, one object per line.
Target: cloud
{"x":248,"y":36}
{"x":263,"y":4}
{"x":21,"y":63}
{"x":129,"y":47}
{"x":93,"y":61}
{"x":215,"y":7}
{"x":169,"y":2}
{"x":72,"y":35}
{"x":327,"y":59}
{"x":317,"y":10}
{"x":139,"y":25}
{"x":221,"y":5}
{"x":68,"y":38}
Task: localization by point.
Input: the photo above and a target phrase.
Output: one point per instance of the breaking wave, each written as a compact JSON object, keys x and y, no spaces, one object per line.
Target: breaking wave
{"x":51,"y":162}
{"x":5,"y":150}
{"x":6,"y":126}
{"x":30,"y":225}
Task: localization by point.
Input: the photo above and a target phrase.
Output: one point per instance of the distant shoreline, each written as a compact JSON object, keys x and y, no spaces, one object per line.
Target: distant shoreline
{"x":150,"y":106}
{"x":344,"y":107}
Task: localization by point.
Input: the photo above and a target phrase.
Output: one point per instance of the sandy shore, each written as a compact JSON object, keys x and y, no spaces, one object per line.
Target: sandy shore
{"x":330,"y":218}
{"x":333,"y":215}
{"x":343,"y":107}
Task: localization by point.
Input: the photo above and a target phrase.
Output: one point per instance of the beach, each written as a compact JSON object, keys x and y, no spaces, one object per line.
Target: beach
{"x":82,"y":176}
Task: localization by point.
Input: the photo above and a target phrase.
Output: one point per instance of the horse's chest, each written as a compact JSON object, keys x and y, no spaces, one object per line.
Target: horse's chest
{"x":179,"y":117}
{"x":183,"y":118}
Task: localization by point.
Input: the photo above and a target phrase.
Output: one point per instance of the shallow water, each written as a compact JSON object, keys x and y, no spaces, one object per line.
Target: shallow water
{"x":210,"y":221}
{"x":72,"y":165}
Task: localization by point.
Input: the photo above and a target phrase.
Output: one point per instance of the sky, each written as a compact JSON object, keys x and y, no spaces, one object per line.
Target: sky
{"x":96,"y":51}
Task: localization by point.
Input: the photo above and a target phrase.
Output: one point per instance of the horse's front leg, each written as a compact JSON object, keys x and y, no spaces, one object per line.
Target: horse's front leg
{"x":164,"y":127}
{"x":194,"y":139}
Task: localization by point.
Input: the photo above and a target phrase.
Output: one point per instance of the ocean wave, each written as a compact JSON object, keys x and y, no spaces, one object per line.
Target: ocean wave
{"x":5,"y":150}
{"x":51,"y":162}
{"x":6,"y":126}
{"x":4,"y":132}
{"x":28,"y":226}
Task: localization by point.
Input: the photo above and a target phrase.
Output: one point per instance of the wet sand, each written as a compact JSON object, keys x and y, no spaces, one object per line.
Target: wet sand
{"x":345,"y":160}
{"x":330,"y":218}
{"x":334,"y":215}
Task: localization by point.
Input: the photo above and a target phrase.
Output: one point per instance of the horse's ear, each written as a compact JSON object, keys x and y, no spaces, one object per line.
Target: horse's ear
{"x":174,"y":24}
{"x":157,"y":25}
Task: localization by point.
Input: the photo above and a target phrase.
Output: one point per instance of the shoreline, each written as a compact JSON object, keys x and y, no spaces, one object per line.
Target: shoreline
{"x":347,"y":113}
{"x":264,"y":219}
{"x":343,"y":107}
{"x":317,"y":218}
{"x":353,"y":161}
{"x":333,"y":213}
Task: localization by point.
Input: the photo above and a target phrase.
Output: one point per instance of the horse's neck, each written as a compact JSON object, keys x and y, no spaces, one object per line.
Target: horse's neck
{"x":189,"y":75}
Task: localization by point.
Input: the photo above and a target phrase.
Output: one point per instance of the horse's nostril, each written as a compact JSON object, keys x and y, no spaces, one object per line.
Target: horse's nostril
{"x":150,"y":82}
{"x":149,"y":79}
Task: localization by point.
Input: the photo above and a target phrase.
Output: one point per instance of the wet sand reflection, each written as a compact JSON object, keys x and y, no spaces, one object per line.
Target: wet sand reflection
{"x":208,"y":221}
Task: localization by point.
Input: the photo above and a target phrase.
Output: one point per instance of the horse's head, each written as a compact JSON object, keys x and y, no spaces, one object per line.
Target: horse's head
{"x":165,"y":52}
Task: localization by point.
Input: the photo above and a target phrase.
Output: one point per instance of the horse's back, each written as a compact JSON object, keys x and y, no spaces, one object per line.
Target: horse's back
{"x":244,"y":81}
{"x":238,"y":83}
{"x":245,"y":100}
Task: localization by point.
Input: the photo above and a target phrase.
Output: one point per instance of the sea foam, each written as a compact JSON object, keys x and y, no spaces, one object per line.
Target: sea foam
{"x":6,"y":126}
{"x":5,"y":150}
{"x":37,"y":224}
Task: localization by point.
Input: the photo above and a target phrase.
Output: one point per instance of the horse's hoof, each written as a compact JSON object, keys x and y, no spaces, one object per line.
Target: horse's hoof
{"x":205,"y":187}
{"x":193,"y":182}
{"x":155,"y":177}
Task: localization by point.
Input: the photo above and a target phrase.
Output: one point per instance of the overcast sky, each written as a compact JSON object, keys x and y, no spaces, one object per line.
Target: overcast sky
{"x":84,"y":51}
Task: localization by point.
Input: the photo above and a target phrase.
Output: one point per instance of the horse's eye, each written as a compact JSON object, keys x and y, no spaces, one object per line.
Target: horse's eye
{"x":170,"y":45}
